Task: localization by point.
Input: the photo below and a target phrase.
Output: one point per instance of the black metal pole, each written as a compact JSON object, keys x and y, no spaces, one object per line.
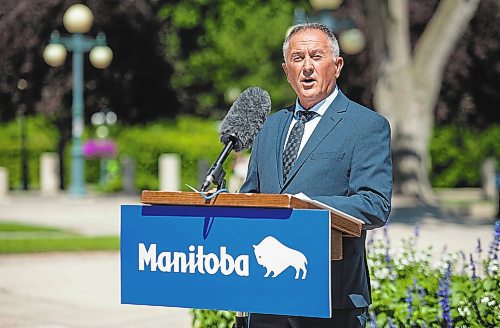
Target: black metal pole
{"x":240,"y":320}
{"x":24,"y":150}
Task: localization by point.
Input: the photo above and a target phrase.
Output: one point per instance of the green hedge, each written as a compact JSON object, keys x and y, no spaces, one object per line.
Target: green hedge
{"x":193,"y":139}
{"x":457,"y":154}
{"x":41,"y":137}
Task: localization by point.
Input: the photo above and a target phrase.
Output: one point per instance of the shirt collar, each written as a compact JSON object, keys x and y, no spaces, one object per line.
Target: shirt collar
{"x":321,"y":107}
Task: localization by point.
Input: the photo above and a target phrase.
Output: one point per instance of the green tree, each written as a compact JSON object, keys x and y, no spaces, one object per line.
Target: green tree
{"x":219,"y":48}
{"x":136,"y":85}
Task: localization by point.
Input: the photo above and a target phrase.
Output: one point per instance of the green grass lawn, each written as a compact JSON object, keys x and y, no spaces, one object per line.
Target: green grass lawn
{"x":23,"y":238}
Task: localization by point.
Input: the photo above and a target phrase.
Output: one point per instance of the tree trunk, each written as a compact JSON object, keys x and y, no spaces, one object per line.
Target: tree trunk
{"x":407,"y":85}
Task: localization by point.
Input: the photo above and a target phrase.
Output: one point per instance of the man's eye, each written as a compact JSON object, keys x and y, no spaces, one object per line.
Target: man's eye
{"x":296,"y":58}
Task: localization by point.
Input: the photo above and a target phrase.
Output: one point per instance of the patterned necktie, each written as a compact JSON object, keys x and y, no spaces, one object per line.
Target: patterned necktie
{"x":294,"y":140}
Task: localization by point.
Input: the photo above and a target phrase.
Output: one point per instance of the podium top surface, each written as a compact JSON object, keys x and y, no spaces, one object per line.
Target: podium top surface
{"x":225,"y":199}
{"x":340,"y":221}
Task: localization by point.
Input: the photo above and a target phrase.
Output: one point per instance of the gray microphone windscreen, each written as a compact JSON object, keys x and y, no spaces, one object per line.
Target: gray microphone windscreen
{"x":246,"y":117}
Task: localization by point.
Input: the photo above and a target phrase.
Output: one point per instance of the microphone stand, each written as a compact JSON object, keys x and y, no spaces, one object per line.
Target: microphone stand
{"x":241,"y":320}
{"x":216,"y":173}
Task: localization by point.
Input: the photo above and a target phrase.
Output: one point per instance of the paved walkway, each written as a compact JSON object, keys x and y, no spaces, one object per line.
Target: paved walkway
{"x":73,"y":290}
{"x":77,"y":289}
{"x":82,"y":289}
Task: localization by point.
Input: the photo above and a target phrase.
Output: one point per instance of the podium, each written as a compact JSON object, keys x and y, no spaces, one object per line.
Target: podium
{"x":263,"y":253}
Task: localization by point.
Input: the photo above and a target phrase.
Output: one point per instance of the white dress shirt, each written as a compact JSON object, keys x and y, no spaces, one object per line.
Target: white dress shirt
{"x":320,"y":108}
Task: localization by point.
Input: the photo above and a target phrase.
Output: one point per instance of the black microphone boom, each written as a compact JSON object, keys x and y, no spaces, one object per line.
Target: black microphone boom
{"x":216,"y":173}
{"x":238,"y":129}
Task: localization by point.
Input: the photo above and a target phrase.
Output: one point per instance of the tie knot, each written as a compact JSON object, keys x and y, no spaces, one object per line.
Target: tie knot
{"x":306,"y":116}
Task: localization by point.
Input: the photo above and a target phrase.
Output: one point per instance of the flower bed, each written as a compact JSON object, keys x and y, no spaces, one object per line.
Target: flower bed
{"x":408,"y":291}
{"x":461,"y":290}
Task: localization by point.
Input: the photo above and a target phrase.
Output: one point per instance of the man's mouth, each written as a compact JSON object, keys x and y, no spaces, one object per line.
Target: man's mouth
{"x":307,"y":81}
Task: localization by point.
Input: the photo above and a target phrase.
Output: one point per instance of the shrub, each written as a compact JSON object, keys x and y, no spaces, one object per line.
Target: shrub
{"x":193,"y":139}
{"x":41,"y":137}
{"x":407,"y":291}
{"x":457,"y":154}
{"x":461,"y":291}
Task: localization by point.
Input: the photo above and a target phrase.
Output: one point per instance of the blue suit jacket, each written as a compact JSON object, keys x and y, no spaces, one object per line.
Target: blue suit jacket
{"x":346,"y":164}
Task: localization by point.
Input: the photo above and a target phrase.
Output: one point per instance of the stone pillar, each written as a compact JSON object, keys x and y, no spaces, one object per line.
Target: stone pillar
{"x":202,"y":172}
{"x":239,"y":172}
{"x":169,"y":172}
{"x":4,"y":181}
{"x":49,"y":173}
{"x":128,"y":174}
{"x":488,"y":168}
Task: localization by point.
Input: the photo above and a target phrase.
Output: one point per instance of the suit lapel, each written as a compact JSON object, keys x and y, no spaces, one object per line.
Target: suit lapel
{"x":327,"y":123}
{"x":280,"y":141}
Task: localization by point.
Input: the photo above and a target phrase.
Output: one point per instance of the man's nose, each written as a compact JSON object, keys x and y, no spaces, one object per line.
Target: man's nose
{"x":308,"y":66}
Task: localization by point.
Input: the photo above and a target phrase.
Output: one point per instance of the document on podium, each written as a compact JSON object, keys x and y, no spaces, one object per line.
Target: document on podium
{"x":306,"y":198}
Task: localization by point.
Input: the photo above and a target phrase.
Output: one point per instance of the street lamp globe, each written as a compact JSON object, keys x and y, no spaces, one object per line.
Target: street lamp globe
{"x":325,"y":4}
{"x":111,"y":118}
{"x":54,"y":54}
{"x":352,"y":41}
{"x":78,"y":19}
{"x":101,"y":56}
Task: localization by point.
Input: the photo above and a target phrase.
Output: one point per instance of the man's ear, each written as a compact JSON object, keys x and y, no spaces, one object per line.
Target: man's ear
{"x":285,"y":69}
{"x":339,"y":62}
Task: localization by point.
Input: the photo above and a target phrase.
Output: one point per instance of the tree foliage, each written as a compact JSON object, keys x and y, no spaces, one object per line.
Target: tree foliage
{"x":136,"y":85}
{"x":219,"y":48}
{"x":469,"y":94}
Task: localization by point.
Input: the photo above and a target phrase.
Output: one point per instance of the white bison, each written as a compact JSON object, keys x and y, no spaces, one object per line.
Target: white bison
{"x":276,"y":257}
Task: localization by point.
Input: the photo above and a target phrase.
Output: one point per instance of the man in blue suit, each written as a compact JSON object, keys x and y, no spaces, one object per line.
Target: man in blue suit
{"x":334,"y":151}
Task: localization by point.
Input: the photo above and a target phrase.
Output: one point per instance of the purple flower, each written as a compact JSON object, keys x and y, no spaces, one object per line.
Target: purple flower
{"x":478,"y":248}
{"x":420,"y":290}
{"x":387,"y":244}
{"x":493,"y":250}
{"x":443,"y":294}
{"x":371,"y":239}
{"x":387,"y":255}
{"x":409,"y":301}
{"x":99,"y":148}
{"x":473,"y":268}
{"x":391,"y":323}
{"x":416,"y":233}
{"x":464,"y":260}
{"x":373,"y":320}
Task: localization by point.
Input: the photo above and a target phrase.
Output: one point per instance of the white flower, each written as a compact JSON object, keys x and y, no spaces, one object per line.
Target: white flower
{"x":381,"y":273}
{"x":492,"y":268}
{"x":375,"y":284}
{"x":464,"y":312}
{"x":485,"y":299}
{"x":491,"y":303}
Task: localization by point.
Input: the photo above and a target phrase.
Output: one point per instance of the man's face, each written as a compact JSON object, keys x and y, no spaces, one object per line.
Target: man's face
{"x":310,"y":67}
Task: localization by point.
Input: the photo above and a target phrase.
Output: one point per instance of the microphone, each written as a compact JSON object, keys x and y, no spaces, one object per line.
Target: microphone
{"x":238,"y":129}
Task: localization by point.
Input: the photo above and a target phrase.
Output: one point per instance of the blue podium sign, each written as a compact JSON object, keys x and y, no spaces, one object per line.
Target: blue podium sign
{"x":274,"y":261}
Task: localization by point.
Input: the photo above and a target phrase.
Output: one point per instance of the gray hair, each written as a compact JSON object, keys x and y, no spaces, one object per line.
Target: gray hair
{"x":332,"y":40}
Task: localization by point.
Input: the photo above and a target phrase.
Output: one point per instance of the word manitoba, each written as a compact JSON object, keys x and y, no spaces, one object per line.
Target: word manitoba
{"x":192,"y":262}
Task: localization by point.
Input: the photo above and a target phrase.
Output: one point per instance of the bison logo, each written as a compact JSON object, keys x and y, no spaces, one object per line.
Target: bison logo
{"x":276,"y":257}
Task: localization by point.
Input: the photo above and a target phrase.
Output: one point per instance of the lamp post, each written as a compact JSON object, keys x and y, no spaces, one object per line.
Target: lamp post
{"x":77,"y":20}
{"x":22,"y":85}
{"x":351,"y":39}
{"x":101,"y":121}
